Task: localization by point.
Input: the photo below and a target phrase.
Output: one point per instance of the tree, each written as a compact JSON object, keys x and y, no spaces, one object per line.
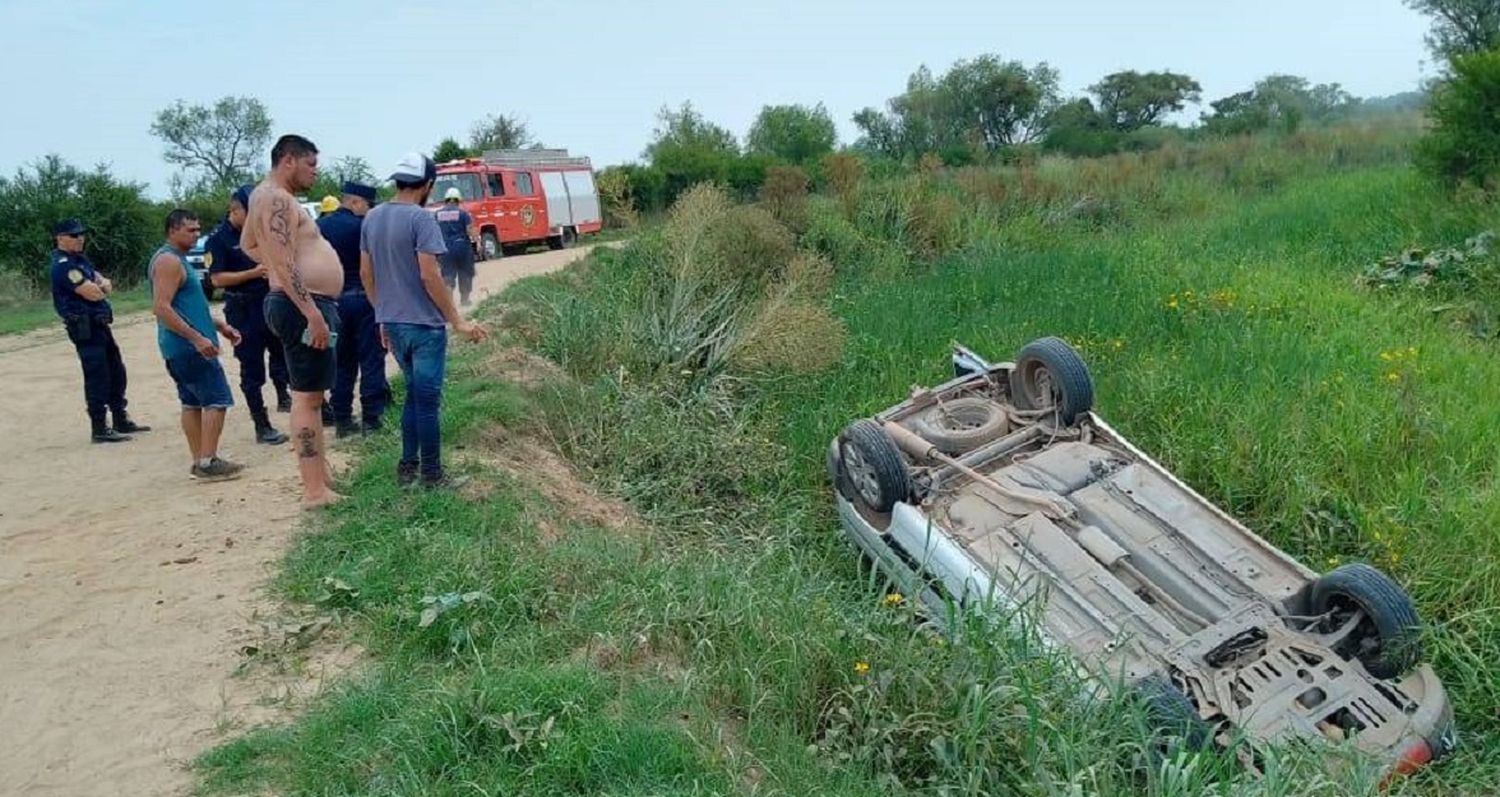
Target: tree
{"x":1077,"y":128}
{"x":1464,"y":144}
{"x":124,"y":225}
{"x":998,"y":103}
{"x":1278,"y":102}
{"x":688,"y":149}
{"x":980,"y":104}
{"x":794,"y":133}
{"x":1461,"y":27}
{"x":1132,"y":100}
{"x":450,"y":150}
{"x":219,"y":144}
{"x":352,"y":168}
{"x":498,"y":131}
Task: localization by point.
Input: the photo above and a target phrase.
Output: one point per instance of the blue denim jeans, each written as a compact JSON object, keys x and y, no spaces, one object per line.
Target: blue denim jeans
{"x":422,"y":353}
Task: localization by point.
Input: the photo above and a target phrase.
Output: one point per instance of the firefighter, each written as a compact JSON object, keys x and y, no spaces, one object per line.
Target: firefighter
{"x":327,"y":206}
{"x":458,"y":262}
{"x":245,"y":287}
{"x":80,"y":295}
{"x":358,"y":354}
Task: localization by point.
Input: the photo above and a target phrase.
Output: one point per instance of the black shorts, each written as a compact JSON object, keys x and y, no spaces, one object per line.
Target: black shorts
{"x":308,"y":370}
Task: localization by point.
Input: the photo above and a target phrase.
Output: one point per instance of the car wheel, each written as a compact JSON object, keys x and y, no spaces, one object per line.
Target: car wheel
{"x":962,"y":424}
{"x":1049,"y":375}
{"x":1387,"y":633}
{"x":489,"y":246}
{"x":870,"y":467}
{"x":1172,"y":721}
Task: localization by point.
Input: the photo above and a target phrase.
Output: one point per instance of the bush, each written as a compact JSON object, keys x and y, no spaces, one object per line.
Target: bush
{"x":784,"y":194}
{"x":1464,"y":144}
{"x":123,"y":224}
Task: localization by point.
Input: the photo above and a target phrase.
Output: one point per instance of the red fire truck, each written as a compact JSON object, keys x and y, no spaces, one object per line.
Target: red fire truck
{"x":523,"y":196}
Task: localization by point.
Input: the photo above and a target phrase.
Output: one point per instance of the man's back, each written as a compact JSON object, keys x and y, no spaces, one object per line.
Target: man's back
{"x":393,"y":234}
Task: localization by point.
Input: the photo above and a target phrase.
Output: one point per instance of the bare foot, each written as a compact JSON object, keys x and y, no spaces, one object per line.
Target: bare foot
{"x":326,"y":499}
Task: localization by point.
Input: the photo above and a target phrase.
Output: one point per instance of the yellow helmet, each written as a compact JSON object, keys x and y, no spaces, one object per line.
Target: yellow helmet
{"x":329,"y":204}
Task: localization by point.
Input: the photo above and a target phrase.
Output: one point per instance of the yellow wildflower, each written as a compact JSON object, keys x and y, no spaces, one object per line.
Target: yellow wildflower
{"x":861,"y":667}
{"x":1393,"y":377}
{"x":894,"y":599}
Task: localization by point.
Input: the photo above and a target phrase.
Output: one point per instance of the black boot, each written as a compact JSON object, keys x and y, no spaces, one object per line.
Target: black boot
{"x":346,"y":427}
{"x":283,"y":399}
{"x":328,"y":419}
{"x":264,"y":431}
{"x":103,"y":434}
{"x":124,"y":424}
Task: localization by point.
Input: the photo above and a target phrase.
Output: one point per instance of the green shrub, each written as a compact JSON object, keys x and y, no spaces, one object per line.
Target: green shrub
{"x":1464,"y":144}
{"x":123,"y":224}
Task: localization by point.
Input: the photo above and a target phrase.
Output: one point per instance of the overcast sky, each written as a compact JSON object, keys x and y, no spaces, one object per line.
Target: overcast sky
{"x":84,"y":78}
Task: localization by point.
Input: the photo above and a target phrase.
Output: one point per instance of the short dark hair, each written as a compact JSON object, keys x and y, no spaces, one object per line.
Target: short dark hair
{"x":291,"y":145}
{"x":179,"y":217}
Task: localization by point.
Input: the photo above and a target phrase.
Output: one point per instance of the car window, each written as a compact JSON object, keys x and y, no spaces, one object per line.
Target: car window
{"x":523,"y":184}
{"x":497,"y":186}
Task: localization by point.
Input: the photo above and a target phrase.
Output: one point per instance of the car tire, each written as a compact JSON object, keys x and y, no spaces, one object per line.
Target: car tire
{"x":1392,"y":643}
{"x":1173,"y":722}
{"x":870,"y":468}
{"x":563,"y":240}
{"x":962,"y":424}
{"x":489,"y":246}
{"x":1049,"y":374}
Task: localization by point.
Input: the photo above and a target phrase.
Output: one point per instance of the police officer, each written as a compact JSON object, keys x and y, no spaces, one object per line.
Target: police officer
{"x":244,"y":284}
{"x":80,"y":296}
{"x":458,"y":262}
{"x":358,"y":353}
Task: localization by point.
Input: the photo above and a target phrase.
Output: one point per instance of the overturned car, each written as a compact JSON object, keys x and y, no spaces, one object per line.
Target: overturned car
{"x":1001,"y":491}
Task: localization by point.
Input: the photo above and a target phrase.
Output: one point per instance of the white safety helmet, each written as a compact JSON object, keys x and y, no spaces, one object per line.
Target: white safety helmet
{"x":453,"y":194}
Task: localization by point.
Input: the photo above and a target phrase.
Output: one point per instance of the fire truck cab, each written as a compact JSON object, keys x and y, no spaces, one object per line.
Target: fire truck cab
{"x":523,"y":196}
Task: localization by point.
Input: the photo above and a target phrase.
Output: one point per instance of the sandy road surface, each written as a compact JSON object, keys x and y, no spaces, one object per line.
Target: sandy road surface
{"x":126,"y":588}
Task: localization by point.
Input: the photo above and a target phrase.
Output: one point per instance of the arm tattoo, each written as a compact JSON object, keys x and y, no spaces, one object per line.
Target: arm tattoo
{"x":281,"y":227}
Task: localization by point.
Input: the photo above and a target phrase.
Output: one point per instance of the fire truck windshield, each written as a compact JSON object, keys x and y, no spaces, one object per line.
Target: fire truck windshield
{"x":467,"y":184}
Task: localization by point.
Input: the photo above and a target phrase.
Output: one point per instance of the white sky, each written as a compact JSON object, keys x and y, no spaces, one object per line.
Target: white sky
{"x":84,"y":78}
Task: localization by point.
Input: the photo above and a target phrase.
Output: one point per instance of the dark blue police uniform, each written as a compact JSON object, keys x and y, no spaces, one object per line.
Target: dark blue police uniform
{"x":244,"y":309}
{"x":358,"y":353}
{"x":88,"y":325}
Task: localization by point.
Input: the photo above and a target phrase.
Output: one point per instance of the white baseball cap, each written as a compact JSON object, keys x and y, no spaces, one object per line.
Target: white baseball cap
{"x":414,"y":167}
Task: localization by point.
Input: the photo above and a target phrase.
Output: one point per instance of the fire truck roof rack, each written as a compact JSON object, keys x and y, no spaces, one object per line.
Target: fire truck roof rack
{"x":533,"y":157}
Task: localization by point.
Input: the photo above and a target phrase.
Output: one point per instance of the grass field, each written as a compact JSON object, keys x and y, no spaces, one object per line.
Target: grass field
{"x":724,"y":640}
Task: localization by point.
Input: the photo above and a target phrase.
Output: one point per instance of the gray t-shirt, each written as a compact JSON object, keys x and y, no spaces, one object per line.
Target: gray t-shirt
{"x":393,"y":234}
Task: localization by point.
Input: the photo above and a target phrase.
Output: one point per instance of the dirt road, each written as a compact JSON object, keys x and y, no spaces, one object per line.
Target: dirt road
{"x":126,"y":589}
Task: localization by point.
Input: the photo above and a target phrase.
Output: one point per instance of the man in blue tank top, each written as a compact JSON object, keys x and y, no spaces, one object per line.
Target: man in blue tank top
{"x":188,"y":336}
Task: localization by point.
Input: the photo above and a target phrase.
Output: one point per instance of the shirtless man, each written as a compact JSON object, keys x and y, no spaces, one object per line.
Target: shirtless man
{"x":302,"y":307}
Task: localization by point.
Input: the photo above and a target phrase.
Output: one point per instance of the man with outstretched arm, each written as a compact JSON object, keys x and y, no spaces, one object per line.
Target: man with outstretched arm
{"x":302,"y":306}
{"x":188,"y":336}
{"x":399,"y":247}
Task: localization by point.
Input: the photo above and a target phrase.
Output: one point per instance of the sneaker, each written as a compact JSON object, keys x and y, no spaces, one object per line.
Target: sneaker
{"x":217,"y":470}
{"x":127,"y":426}
{"x":283,"y":402}
{"x":108,"y":435}
{"x":406,"y":473}
{"x":443,"y":481}
{"x":328,"y":419}
{"x":269,"y":435}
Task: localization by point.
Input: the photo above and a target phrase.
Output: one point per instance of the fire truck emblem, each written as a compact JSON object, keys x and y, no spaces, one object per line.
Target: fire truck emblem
{"x":527,"y":215}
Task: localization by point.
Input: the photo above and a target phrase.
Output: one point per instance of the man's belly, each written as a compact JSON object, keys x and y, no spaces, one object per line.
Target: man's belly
{"x":319,"y":268}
